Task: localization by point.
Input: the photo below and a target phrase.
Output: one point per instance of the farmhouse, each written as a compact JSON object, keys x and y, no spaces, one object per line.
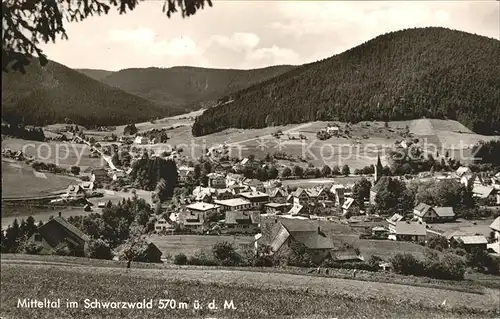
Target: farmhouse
{"x":408,"y":231}
{"x":487,"y":194}
{"x":428,"y":214}
{"x":241,"y":222}
{"x":320,"y":239}
{"x":469,"y":242}
{"x":233,"y":204}
{"x":57,"y":234}
{"x":255,"y":198}
{"x":99,"y":175}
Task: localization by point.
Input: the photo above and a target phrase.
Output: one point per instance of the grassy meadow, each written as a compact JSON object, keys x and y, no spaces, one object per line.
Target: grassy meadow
{"x":19,"y":180}
{"x":254,"y":295}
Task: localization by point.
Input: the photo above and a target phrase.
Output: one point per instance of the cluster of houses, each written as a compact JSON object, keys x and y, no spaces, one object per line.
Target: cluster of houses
{"x":239,"y":202}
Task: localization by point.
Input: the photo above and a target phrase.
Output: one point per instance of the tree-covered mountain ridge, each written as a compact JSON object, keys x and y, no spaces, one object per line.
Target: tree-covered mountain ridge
{"x":57,"y":94}
{"x":187,"y":88}
{"x":422,"y":72}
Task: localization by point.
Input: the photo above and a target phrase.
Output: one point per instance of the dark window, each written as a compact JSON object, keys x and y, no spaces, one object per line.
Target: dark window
{"x":38,"y":237}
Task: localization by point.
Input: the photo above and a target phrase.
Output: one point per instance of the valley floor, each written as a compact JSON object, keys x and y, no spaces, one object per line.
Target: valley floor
{"x":254,"y":294}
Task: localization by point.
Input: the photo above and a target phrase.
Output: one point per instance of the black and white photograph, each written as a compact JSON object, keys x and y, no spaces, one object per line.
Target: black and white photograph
{"x":250,"y":159}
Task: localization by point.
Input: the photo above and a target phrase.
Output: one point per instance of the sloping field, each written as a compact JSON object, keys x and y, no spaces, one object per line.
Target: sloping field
{"x":20,"y":180}
{"x":59,"y":153}
{"x":254,"y":295}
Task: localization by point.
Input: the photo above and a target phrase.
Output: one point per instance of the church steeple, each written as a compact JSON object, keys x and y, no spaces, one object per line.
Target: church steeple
{"x":378,"y":170}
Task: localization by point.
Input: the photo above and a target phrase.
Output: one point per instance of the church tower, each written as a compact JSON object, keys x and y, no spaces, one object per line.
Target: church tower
{"x":378,"y":170}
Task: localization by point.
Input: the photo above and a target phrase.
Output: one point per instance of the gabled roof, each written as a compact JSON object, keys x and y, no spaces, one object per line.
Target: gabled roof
{"x":496,"y":224}
{"x":407,"y":228}
{"x":313,"y":239}
{"x":482,"y":191}
{"x":61,"y":221}
{"x":472,"y":240}
{"x":274,"y":192}
{"x":297,"y":192}
{"x":422,"y":209}
{"x":444,"y":211}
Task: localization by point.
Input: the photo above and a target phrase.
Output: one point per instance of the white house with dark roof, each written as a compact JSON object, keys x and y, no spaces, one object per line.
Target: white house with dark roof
{"x":429,"y":214}
{"x":469,"y":242}
{"x":486,"y":193}
{"x":233,"y":204}
{"x":408,"y":231}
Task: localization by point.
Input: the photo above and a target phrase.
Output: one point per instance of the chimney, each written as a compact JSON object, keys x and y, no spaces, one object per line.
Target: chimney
{"x":319,"y":230}
{"x":59,"y":214}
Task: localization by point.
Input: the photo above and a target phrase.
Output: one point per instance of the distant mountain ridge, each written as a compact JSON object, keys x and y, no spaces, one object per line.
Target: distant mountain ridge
{"x":95,"y":74}
{"x":55,"y":93}
{"x":186,"y":88}
{"x":422,"y":72}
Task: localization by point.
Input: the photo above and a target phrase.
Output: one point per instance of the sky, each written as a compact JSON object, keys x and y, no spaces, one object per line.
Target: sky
{"x":253,"y":34}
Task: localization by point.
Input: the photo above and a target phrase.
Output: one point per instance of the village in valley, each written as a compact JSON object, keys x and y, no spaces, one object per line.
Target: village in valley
{"x":259,"y":159}
{"x":337,"y":216}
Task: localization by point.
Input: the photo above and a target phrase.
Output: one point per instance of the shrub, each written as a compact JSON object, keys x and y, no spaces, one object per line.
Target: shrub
{"x":202,"y":258}
{"x":180,"y":259}
{"x":448,"y":267}
{"x":98,"y":249}
{"x":225,"y":254}
{"x":32,"y":248}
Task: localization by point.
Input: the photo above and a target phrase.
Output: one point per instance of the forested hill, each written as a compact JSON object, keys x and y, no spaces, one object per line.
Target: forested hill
{"x":51,"y":94}
{"x":424,"y":72}
{"x":188,"y":88}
